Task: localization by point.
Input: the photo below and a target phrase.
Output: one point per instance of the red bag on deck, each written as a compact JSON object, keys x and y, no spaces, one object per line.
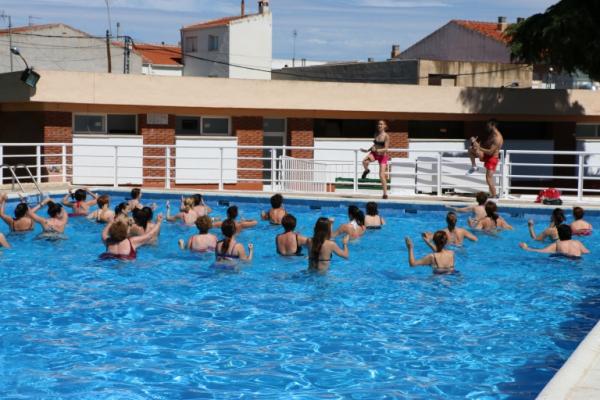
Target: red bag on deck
{"x":549,"y":196}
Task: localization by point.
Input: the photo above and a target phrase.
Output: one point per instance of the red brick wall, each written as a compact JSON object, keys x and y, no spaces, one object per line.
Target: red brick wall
{"x":300,"y":132}
{"x":398,"y":132}
{"x":154,"y":169}
{"x":249,"y":131}
{"x":57,"y":129}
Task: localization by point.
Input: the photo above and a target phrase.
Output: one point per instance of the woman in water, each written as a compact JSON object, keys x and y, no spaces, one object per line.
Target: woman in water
{"x":103,"y":214}
{"x":456,"y":236}
{"x":373,"y":220}
{"x":580,"y":227}
{"x":478,"y":211}
{"x":119,"y":246}
{"x":492,"y":221}
{"x":232,"y":214}
{"x":187,"y":214}
{"x":202,"y":242}
{"x":228,"y":249}
{"x":80,"y":206}
{"x":134,"y":201}
{"x":557,"y":218}
{"x":321,"y":247}
{"x":356,"y":227}
{"x":289,"y":243}
{"x":378,"y":152}
{"x":21,"y":221}
{"x":441,"y":260}
{"x":564,"y":246}
{"x":200,"y":207}
{"x":142,"y":223}
{"x":277,"y":212}
{"x":56,"y":223}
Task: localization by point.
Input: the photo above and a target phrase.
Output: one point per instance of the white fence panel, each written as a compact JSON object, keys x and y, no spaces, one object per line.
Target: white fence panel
{"x":199,"y":161}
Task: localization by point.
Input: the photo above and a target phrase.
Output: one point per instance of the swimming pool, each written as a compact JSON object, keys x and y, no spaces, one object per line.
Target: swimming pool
{"x":167,"y":326}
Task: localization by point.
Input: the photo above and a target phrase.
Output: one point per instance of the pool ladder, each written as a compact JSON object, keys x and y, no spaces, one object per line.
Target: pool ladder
{"x":15,"y":179}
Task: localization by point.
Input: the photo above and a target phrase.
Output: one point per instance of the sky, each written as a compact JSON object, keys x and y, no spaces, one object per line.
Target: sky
{"x":327,"y":30}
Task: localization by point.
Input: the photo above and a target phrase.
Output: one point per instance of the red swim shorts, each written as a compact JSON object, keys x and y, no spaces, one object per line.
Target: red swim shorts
{"x":382,"y":159}
{"x":490,"y":162}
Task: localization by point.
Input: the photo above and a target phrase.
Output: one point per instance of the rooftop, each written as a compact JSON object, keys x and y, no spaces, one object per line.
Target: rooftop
{"x":33,"y":28}
{"x":218,"y":22}
{"x":159,"y":54}
{"x":489,"y":29}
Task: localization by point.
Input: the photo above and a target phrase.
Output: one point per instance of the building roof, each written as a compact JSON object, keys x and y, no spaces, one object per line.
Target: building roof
{"x":489,"y":29}
{"x":217,"y":22}
{"x":159,"y":54}
{"x":33,"y":28}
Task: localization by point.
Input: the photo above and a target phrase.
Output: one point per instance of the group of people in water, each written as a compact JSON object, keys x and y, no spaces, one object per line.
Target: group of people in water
{"x":131,"y":225}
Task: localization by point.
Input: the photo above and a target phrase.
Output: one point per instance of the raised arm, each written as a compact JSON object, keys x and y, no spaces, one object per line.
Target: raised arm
{"x":469,"y":235}
{"x":242,"y":252}
{"x":92,"y":202}
{"x":504,"y":225}
{"x":583,"y":249}
{"x":427,"y":260}
{"x":9,"y":221}
{"x":137,"y":241}
{"x":339,"y":231}
{"x":548,"y":249}
{"x":106,"y":229}
{"x":344,"y":253}
{"x":248,"y":223}
{"x":65,"y":200}
{"x":427,"y":238}
{"x":461,"y":209}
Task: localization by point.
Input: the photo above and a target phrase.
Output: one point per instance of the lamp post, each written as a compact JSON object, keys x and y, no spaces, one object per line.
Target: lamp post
{"x":29,"y":76}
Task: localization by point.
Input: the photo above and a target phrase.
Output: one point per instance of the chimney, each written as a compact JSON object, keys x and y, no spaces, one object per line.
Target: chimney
{"x":243,"y":6}
{"x":263,"y":7}
{"x":395,"y":51}
{"x":520,"y":19}
{"x":502,"y":25}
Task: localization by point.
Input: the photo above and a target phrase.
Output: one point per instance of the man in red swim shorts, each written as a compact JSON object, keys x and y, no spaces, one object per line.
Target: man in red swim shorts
{"x":489,"y":155}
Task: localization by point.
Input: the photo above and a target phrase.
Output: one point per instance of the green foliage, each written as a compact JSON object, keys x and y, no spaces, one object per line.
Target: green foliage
{"x":566,"y":37}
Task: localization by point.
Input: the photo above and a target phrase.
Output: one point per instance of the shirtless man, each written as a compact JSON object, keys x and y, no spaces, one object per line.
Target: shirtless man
{"x":489,"y":154}
{"x":564,"y":246}
{"x":580,"y":227}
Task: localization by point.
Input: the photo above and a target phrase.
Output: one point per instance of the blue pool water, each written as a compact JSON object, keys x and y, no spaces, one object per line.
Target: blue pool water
{"x":169,"y":327}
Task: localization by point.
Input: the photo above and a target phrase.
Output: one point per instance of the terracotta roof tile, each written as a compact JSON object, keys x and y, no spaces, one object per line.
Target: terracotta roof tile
{"x":489,"y":29}
{"x":159,"y":54}
{"x":217,"y":22}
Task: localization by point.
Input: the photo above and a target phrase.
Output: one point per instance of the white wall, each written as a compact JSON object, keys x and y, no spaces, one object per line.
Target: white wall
{"x":199,"y":161}
{"x":251,"y":45}
{"x":340,"y":160}
{"x":149,"y":69}
{"x":94,"y":165}
{"x":195,"y":67}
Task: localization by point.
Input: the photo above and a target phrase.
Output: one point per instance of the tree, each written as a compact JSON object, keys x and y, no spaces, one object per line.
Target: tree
{"x":565,"y":37}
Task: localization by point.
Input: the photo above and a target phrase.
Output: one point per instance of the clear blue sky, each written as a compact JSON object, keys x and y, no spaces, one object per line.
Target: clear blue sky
{"x":327,"y":29}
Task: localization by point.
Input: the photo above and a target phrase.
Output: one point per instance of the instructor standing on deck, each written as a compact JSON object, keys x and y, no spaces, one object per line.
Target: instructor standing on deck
{"x":488,"y":152}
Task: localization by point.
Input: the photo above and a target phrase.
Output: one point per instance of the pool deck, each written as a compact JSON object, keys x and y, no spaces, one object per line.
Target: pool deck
{"x":577,"y":379}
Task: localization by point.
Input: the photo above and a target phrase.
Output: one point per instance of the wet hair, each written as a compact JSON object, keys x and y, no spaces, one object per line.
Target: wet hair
{"x":288,"y":222}
{"x":121,"y":209}
{"x":54,"y":209}
{"x":491,"y":211}
{"x":141,"y":217}
{"x":136,"y":193}
{"x":203,"y":223}
{"x":481,"y":198}
{"x":232,"y":213}
{"x":564,"y":232}
{"x":440,"y":239}
{"x":372,"y":209}
{"x":557,"y":217}
{"x":357,"y":215}
{"x":276,"y":200}
{"x":321,"y":233}
{"x":228,"y":229}
{"x":578,"y":213}
{"x":188,"y":204}
{"x":79,"y":195}
{"x":197,"y":199}
{"x":103,"y":200}
{"x":21,"y":210}
{"x":118,"y":232}
{"x":451,"y":221}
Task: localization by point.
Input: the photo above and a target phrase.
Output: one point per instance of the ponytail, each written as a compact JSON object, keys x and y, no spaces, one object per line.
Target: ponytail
{"x":228,"y":230}
{"x":321,"y":233}
{"x":451,"y":221}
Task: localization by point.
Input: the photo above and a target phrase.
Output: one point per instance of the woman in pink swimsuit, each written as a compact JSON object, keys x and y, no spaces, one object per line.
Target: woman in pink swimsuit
{"x":119,"y":246}
{"x":378,"y":152}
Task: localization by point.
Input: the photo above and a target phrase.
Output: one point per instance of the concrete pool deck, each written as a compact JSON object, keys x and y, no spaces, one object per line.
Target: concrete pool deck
{"x":577,"y":379}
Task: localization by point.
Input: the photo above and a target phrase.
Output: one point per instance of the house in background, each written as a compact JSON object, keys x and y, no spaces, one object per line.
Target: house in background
{"x":216,"y":48}
{"x":160,"y":59}
{"x":62,"y":48}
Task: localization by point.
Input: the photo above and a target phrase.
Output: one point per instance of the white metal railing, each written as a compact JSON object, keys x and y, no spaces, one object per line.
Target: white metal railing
{"x":273,"y":168}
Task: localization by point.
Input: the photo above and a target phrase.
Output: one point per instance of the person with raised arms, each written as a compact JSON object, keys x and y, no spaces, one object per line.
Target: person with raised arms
{"x":200,"y":207}
{"x":277,"y":212}
{"x":478,"y":210}
{"x":321,"y":247}
{"x":557,"y":218}
{"x":564,"y":246}
{"x":441,"y":260}
{"x":21,"y":221}
{"x":121,"y":247}
{"x":80,"y":206}
{"x":103,"y":214}
{"x":232,"y":214}
{"x":204,"y":241}
{"x":228,"y":250}
{"x":186,"y":214}
{"x":355,"y":228}
{"x":492,"y":221}
{"x":456,"y":236}
{"x":54,"y":226}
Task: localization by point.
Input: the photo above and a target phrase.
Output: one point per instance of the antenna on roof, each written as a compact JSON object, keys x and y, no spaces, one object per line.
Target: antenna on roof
{"x":108,"y":14}
{"x":4,"y":16}
{"x":295,"y":34}
{"x":30,"y":19}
